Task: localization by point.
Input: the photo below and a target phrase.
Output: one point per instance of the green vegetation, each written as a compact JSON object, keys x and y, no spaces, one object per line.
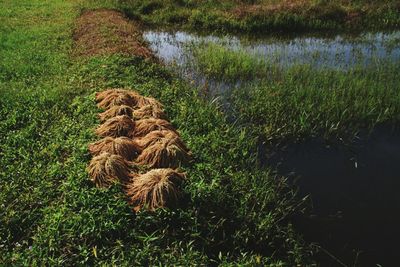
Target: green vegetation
{"x":51,"y":214}
{"x":266,"y":15}
{"x":217,"y":61}
{"x":301,"y":102}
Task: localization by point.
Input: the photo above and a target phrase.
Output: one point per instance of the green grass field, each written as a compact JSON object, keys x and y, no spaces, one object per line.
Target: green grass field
{"x":51,"y":214}
{"x":266,"y":15}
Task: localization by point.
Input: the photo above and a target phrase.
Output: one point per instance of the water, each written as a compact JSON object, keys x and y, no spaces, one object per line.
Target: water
{"x":336,"y":52}
{"x":353,"y":189}
{"x":354,"y":195}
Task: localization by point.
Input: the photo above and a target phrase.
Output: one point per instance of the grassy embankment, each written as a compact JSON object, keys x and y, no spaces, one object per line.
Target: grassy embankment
{"x":300,"y":102}
{"x":266,"y":15}
{"x":232,"y":212}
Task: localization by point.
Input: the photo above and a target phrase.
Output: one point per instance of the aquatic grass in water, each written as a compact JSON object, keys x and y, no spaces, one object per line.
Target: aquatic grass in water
{"x":302,"y":102}
{"x":338,"y":51}
{"x":295,"y":92}
{"x":220,"y":63}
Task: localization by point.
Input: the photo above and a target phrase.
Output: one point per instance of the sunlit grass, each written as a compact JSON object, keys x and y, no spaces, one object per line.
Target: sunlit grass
{"x":265,"y":16}
{"x":51,"y":214}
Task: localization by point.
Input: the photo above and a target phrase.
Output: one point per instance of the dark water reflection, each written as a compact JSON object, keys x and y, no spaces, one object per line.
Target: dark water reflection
{"x":355,"y":196}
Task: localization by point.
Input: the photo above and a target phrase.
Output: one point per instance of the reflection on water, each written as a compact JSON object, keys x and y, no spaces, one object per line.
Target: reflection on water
{"x":354,"y":192}
{"x":339,"y":52}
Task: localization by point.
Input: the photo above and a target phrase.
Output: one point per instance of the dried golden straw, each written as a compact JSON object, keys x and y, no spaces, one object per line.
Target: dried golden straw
{"x":100,"y":96}
{"x":116,"y":127}
{"x":106,"y":169}
{"x":149,"y":111}
{"x":154,"y":189}
{"x":145,"y":126}
{"x":149,"y":101}
{"x":123,"y":146}
{"x":116,"y":111}
{"x":154,"y":137}
{"x":131,"y":98}
{"x":164,"y":153}
{"x":117,"y":99}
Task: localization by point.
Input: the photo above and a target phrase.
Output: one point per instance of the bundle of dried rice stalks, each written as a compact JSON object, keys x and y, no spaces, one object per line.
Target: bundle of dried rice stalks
{"x":122,"y":146}
{"x":165,"y":153}
{"x":117,"y":99}
{"x":104,"y":97}
{"x":157,"y":136}
{"x":116,"y":127}
{"x":148,"y":101}
{"x":106,"y":169}
{"x":116,"y":111}
{"x":145,"y":126}
{"x":100,"y":96}
{"x":149,"y":111}
{"x":155,"y":189}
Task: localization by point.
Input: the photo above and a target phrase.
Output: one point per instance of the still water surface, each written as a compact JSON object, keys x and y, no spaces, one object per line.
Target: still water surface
{"x":335,"y":52}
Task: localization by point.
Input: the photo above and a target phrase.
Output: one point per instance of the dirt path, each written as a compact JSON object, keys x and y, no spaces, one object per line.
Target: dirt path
{"x":100,"y":32}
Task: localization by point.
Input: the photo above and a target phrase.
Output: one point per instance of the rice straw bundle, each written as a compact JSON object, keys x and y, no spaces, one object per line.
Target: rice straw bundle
{"x":122,"y":146}
{"x":149,"y":101}
{"x":106,"y":169}
{"x":100,"y":96}
{"x":116,"y":111}
{"x":154,"y":189}
{"x":103,"y":94}
{"x":117,"y":99}
{"x":149,"y":111}
{"x":154,"y":137}
{"x":145,"y":126}
{"x":164,"y":153}
{"x":116,"y":127}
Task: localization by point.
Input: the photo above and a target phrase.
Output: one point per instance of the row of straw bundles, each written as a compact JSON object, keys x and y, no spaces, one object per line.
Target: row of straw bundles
{"x":136,"y":133}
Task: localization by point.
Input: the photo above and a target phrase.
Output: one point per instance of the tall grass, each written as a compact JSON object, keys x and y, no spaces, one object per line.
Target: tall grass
{"x":266,"y":16}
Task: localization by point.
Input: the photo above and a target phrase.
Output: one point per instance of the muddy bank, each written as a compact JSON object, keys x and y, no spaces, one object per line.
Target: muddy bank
{"x":104,"y":32}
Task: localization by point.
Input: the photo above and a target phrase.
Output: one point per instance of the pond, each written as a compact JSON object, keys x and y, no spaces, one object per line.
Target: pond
{"x":352,"y":188}
{"x":336,"y":52}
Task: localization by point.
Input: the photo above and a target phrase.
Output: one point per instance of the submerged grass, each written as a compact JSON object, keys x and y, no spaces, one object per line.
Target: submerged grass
{"x":51,"y":214}
{"x":219,"y":62}
{"x":266,"y":16}
{"x":300,"y":101}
